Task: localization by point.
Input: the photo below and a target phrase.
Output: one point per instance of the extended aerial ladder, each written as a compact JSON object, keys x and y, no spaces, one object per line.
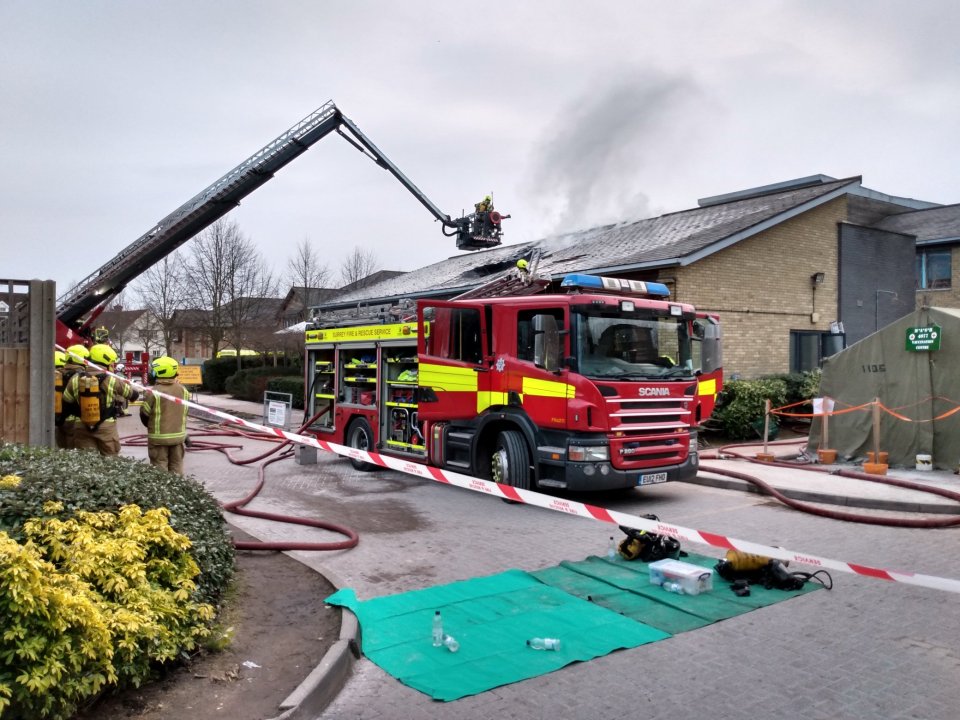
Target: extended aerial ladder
{"x":79,"y":306}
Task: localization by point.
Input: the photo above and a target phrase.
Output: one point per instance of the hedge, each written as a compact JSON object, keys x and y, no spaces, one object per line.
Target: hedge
{"x":292,"y":385}
{"x":83,"y":480}
{"x":216,"y":371}
{"x":740,"y":406}
{"x":251,"y":384}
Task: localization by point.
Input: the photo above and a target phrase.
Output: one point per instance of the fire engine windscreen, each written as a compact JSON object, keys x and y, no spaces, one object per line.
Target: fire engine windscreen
{"x":632,"y":346}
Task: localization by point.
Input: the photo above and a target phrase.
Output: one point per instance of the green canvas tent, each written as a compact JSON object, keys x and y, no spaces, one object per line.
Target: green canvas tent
{"x":913,"y":367}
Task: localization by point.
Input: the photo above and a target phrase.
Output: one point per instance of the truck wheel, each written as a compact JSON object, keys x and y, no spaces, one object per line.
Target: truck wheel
{"x":360,"y":436}
{"x":510,"y":464}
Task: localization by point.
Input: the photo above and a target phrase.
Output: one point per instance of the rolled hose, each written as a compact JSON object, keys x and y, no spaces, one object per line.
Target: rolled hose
{"x":825,"y":512}
{"x":237,"y":507}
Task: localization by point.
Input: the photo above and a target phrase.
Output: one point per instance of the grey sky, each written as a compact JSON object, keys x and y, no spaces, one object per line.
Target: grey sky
{"x":113,"y":114}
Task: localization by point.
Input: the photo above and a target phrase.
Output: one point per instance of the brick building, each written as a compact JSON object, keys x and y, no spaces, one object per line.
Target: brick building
{"x":786,"y":266}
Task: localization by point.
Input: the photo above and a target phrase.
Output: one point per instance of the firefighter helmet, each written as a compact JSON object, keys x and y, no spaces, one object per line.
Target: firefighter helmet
{"x":103,"y":354}
{"x":77,"y":354}
{"x":59,"y":358}
{"x":522,"y":264}
{"x":165,"y":367}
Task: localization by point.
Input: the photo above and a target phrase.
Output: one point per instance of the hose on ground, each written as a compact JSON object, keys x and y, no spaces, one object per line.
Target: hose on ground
{"x":238,"y":507}
{"x":826,"y":512}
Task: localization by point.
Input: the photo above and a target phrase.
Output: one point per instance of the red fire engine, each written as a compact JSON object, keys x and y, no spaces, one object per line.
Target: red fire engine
{"x":601,"y":387}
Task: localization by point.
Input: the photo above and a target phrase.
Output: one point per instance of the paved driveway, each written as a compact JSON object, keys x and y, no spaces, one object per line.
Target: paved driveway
{"x":868,"y":649}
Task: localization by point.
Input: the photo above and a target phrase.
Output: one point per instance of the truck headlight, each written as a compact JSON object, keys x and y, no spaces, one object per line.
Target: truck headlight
{"x":588,"y":453}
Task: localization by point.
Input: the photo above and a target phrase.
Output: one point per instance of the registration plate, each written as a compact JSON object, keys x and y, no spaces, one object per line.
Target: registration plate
{"x":652,"y":478}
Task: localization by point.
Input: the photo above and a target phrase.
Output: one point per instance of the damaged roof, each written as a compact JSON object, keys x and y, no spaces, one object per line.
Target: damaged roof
{"x":679,"y":238}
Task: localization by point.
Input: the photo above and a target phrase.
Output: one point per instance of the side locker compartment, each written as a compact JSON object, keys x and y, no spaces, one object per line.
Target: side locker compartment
{"x":358,"y":375}
{"x":402,"y":430}
{"x":321,"y":387}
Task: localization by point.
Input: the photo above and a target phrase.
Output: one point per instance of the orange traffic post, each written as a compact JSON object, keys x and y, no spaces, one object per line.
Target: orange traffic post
{"x":824,"y":455}
{"x":766,"y":456}
{"x":876,"y":463}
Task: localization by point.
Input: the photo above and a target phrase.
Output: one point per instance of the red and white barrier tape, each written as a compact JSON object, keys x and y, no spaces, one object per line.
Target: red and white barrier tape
{"x":570,"y":507}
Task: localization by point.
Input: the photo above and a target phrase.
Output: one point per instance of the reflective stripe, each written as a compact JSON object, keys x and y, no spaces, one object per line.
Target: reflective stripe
{"x":447,"y":378}
{"x":707,"y":387}
{"x":486,"y":399}
{"x":547,"y":388}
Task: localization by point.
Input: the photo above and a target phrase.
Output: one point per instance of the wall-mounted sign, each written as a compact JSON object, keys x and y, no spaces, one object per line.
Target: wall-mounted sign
{"x":923,"y":339}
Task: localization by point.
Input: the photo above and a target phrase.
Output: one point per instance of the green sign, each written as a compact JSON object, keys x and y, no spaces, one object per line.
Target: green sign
{"x":923,"y":339}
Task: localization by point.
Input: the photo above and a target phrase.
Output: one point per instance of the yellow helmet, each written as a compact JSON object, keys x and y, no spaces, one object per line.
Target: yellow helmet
{"x":103,"y":354}
{"x":77,"y":354}
{"x":59,"y":358}
{"x":522,"y":264}
{"x":165,"y":367}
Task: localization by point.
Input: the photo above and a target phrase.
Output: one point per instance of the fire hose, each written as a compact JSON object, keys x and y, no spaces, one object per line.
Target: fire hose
{"x":826,"y":512}
{"x":238,"y":507}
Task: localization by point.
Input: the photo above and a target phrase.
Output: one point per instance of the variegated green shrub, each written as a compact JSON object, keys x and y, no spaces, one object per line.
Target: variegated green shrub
{"x":90,"y":600}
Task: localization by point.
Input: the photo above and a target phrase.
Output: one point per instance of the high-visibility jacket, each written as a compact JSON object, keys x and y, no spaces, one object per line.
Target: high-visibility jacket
{"x":165,"y":419}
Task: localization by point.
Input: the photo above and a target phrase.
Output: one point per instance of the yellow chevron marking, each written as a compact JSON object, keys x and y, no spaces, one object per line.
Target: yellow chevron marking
{"x":547,"y":388}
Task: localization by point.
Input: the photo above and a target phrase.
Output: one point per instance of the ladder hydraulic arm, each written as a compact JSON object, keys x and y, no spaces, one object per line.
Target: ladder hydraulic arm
{"x":94,"y":292}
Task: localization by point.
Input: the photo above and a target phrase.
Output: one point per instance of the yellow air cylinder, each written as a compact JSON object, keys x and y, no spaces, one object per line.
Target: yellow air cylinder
{"x":57,"y":393}
{"x":89,"y":400}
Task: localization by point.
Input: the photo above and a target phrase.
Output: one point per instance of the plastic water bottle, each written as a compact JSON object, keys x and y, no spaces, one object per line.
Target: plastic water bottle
{"x":544,"y":643}
{"x":437,"y":629}
{"x":674,"y":587}
{"x":451,"y":643}
{"x":612,"y":549}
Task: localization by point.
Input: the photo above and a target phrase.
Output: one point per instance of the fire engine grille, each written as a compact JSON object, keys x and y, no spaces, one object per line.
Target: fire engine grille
{"x":655,"y":415}
{"x":653,"y":432}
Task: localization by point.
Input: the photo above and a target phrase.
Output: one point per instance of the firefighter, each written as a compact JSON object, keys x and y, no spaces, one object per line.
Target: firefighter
{"x":59,"y":360}
{"x":523,"y":270}
{"x":165,"y":419}
{"x":69,"y":414}
{"x":101,"y":335}
{"x":483,"y":223}
{"x":485,"y":205}
{"x":96,"y":394}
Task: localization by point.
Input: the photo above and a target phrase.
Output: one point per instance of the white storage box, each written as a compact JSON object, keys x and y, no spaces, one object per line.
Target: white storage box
{"x":692,"y":578}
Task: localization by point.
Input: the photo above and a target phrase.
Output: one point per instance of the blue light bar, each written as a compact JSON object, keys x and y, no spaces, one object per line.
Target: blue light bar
{"x":615,"y":285}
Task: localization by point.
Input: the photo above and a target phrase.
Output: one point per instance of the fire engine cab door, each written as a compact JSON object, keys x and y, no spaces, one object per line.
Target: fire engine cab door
{"x":454,"y":370}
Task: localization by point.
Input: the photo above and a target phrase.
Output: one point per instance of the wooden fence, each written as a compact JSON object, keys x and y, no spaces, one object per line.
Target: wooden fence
{"x":26,"y":361}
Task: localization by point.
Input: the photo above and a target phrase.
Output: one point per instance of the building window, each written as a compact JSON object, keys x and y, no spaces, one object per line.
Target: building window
{"x":933,"y":269}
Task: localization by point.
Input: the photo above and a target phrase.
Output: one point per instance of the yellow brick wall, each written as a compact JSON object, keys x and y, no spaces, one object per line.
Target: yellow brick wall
{"x":761,"y":288}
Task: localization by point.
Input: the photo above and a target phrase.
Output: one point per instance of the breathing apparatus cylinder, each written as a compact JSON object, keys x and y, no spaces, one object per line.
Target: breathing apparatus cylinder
{"x":89,"y":400}
{"x":746,"y":562}
{"x":58,"y":395}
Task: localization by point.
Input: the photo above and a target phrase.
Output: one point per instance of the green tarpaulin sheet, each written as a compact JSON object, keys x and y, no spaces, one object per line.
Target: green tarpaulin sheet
{"x":492,"y":618}
{"x":625,"y":588}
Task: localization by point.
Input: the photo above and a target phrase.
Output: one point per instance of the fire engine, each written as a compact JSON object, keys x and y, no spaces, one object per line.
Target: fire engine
{"x":599,"y":386}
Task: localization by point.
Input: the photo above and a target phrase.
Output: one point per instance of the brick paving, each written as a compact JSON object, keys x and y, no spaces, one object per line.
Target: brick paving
{"x":867,"y":649}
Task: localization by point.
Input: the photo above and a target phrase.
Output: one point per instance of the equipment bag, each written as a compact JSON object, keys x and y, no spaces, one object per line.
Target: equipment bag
{"x":648,"y":547}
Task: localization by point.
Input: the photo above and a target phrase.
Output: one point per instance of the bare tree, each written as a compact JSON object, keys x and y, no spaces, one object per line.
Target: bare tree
{"x":226,"y":276}
{"x":162,"y":292}
{"x":306,"y":269}
{"x":357,"y":265}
